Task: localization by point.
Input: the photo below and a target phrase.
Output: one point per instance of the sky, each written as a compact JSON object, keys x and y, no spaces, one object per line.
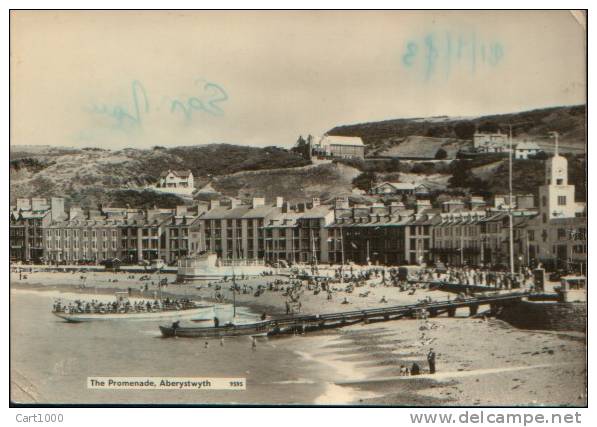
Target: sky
{"x":116,"y":79}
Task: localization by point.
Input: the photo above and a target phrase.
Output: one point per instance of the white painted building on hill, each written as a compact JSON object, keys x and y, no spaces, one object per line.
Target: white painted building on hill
{"x":176,"y":182}
{"x":347,"y":147}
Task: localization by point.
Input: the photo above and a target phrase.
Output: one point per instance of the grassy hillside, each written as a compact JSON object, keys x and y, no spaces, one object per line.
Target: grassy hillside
{"x":92,"y":175}
{"x":324,"y":181}
{"x":534,"y":125}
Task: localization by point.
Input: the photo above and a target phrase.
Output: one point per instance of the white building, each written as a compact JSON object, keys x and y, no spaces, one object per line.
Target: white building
{"x":337,"y":146}
{"x":490,"y":142}
{"x":558,"y":235}
{"x":176,"y":181}
{"x":400,"y":188}
{"x":524,"y":149}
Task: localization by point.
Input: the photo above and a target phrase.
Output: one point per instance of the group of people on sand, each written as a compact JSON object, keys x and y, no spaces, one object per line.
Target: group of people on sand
{"x":474,"y":277}
{"x":415,"y":368}
{"x":122,"y":306}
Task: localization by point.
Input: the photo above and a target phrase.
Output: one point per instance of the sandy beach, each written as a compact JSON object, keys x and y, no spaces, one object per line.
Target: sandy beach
{"x":479,"y":362}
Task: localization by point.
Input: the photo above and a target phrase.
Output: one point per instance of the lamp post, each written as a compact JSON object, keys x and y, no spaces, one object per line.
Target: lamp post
{"x":511,"y":231}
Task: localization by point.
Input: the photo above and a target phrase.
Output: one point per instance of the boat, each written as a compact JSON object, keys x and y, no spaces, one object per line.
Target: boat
{"x":192,"y":313}
{"x":181,"y":309}
{"x":230,"y":330}
{"x":198,"y":311}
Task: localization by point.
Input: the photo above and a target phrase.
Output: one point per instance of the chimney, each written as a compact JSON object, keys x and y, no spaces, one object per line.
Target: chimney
{"x":23,"y":204}
{"x":342,"y":203}
{"x":214,"y":204}
{"x":476,"y":202}
{"x":396,"y":207}
{"x":39,"y":204}
{"x":57,"y":208}
{"x":234,"y":203}
{"x":181,"y":210}
{"x":286,"y":207}
{"x":279,"y":202}
{"x":75,"y":212}
{"x":422,"y":204}
{"x":257,"y":201}
{"x":315,"y":201}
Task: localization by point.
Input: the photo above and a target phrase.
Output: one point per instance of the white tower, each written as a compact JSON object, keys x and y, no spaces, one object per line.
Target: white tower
{"x":556,"y":197}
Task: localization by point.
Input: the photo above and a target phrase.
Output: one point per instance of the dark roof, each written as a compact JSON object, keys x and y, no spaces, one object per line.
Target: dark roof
{"x":179,"y":173}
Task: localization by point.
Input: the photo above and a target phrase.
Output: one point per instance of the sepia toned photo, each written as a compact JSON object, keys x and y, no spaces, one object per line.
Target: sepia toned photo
{"x":315,"y":208}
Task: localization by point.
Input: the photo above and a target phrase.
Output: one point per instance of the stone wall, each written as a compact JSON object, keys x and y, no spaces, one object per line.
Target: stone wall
{"x":546,"y":315}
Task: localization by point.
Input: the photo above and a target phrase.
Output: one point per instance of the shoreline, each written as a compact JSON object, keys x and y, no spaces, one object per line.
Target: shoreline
{"x":360,"y":364}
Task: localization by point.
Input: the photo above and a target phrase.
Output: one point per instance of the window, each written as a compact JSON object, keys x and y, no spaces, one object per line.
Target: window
{"x":561,"y":233}
{"x":559,"y":181}
{"x":562,"y":200}
{"x":531,"y":235}
{"x":543,"y":201}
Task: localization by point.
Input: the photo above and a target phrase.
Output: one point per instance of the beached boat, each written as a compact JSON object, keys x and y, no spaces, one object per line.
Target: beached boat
{"x":194,"y":312}
{"x":248,"y":329}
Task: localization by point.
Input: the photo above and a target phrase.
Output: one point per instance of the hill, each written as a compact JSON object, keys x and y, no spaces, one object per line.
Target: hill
{"x":325,"y":181}
{"x":94,"y":175}
{"x":534,"y":125}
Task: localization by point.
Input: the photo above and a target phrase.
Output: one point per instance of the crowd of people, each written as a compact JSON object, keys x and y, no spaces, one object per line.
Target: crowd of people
{"x":122,"y":306}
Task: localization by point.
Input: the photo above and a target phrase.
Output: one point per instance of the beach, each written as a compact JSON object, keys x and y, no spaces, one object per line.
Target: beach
{"x":479,"y":361}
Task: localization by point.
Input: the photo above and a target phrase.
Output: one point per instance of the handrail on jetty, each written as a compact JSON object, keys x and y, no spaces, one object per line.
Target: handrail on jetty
{"x":434,"y":308}
{"x":312,"y":322}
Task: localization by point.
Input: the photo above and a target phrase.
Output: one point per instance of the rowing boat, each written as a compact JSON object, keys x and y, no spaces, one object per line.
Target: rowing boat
{"x":197,"y":312}
{"x":247,"y":329}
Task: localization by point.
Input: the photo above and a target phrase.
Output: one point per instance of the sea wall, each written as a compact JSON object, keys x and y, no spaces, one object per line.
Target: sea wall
{"x":547,"y":315}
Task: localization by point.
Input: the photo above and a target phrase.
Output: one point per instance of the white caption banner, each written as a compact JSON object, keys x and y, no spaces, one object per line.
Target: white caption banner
{"x":165,"y":383}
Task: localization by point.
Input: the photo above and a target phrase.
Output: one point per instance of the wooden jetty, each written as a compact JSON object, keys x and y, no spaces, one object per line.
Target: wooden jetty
{"x":306,"y":323}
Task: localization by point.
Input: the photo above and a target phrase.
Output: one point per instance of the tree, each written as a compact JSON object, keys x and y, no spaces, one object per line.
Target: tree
{"x":464,"y":130}
{"x":488,"y":126}
{"x":301,"y":147}
{"x":441,"y":154}
{"x":364,"y":181}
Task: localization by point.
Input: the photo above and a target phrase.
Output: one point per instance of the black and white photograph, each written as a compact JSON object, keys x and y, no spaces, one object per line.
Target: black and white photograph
{"x":354,"y":208}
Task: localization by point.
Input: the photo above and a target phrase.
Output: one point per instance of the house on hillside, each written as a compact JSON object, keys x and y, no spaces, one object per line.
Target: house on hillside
{"x":524,"y":149}
{"x":399,"y":189}
{"x":490,"y":142}
{"x":176,"y":179}
{"x":332,"y":146}
{"x":176,"y":182}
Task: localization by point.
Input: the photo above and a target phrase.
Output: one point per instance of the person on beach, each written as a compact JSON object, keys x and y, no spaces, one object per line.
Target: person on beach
{"x":206,"y":344}
{"x":254,"y":344}
{"x":415,"y":369}
{"x":431,"y":361}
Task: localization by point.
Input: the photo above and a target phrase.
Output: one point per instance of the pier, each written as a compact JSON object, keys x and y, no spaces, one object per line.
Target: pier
{"x":334,"y":320}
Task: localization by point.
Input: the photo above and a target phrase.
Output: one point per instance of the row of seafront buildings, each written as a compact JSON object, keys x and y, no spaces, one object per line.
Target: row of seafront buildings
{"x":550,"y":229}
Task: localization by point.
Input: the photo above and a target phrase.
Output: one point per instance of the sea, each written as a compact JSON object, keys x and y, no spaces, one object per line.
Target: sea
{"x":51,"y":360}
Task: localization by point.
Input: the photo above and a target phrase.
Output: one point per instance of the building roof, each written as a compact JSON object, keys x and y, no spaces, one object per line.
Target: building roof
{"x":179,"y":173}
{"x":34,"y":214}
{"x":341,"y":140}
{"x":240,"y":212}
{"x":527,"y":146}
{"x":398,"y":185}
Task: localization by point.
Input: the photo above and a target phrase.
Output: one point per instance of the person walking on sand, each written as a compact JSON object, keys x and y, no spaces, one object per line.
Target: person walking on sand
{"x":431,"y":361}
{"x":254,"y":344}
{"x":206,"y":344}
